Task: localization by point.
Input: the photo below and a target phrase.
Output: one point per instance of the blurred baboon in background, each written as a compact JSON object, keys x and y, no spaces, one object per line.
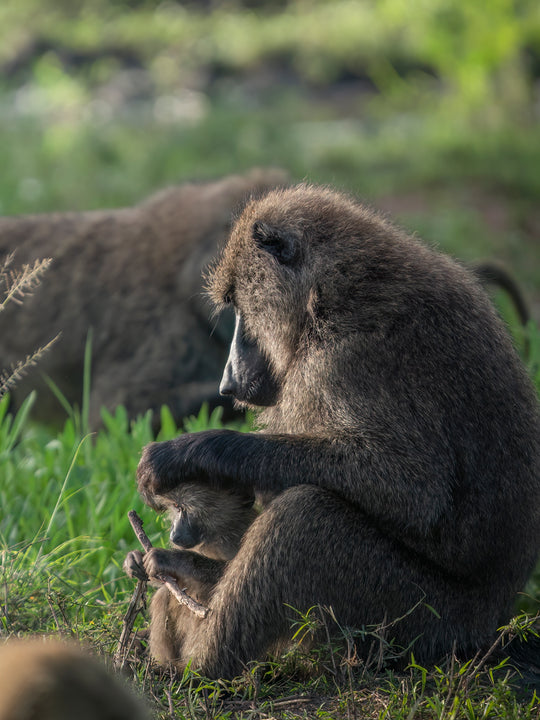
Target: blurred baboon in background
{"x":133,"y":275}
{"x":50,"y":680}
{"x":207,"y":527}
{"x":400,"y":438}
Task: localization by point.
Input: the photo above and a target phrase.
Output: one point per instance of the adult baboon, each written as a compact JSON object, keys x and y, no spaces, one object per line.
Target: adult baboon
{"x":134,"y":276}
{"x":207,"y":527}
{"x":400,"y":437}
{"x":53,"y":680}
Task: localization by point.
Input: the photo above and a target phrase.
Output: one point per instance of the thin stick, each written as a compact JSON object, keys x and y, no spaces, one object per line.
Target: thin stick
{"x":168,"y":580}
{"x":137,"y":602}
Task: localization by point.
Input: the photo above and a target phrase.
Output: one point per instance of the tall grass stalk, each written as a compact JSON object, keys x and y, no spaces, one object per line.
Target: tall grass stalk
{"x":61,"y":499}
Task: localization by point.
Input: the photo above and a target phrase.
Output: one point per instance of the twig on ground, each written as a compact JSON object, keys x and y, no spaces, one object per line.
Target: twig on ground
{"x":137,"y":602}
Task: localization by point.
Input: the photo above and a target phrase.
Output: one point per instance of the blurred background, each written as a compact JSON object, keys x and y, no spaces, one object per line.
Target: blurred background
{"x":428,"y":109}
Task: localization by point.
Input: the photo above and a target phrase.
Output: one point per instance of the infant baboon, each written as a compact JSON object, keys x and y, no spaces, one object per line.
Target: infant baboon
{"x":400,"y":440}
{"x":134,"y":276}
{"x":50,"y":680}
{"x":207,"y":527}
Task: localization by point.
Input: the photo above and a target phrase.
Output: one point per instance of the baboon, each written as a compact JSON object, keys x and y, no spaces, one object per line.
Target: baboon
{"x":207,"y":527}
{"x":133,"y":275}
{"x":399,"y":435}
{"x":51,"y":680}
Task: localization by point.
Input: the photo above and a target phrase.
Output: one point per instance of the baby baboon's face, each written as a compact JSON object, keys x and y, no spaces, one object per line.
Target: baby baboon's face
{"x":211,"y":521}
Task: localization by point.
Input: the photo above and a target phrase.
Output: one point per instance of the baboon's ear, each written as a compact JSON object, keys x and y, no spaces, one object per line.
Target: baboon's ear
{"x":279,"y":243}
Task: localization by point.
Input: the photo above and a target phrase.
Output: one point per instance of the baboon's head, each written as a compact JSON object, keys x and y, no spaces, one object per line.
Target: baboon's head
{"x":303,"y":266}
{"x":210,"y":521}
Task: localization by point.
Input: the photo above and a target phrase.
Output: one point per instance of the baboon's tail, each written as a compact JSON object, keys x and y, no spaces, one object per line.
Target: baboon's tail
{"x":490,"y":272}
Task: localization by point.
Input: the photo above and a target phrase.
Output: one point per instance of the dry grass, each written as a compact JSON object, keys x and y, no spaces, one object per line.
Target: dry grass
{"x":16,"y":285}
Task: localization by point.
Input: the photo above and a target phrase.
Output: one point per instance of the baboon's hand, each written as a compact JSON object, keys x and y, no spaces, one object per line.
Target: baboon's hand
{"x":133,"y":565}
{"x":159,"y":561}
{"x":193,"y":457}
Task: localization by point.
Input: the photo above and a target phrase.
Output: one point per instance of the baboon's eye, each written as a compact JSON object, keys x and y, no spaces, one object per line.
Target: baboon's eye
{"x":281,"y":244}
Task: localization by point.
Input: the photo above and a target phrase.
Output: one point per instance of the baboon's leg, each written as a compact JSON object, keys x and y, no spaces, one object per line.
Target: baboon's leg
{"x":170,"y":621}
{"x":310,"y":547}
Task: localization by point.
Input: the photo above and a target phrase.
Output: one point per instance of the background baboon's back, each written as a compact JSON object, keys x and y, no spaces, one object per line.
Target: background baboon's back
{"x":133,"y":276}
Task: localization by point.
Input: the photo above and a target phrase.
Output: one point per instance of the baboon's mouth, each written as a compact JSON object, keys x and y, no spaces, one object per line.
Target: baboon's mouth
{"x":254,"y":388}
{"x":261,"y":392}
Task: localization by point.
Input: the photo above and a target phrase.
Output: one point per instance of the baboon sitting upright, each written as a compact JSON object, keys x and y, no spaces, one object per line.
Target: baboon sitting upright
{"x":400,"y":437}
{"x":207,"y":527}
{"x":133,"y":275}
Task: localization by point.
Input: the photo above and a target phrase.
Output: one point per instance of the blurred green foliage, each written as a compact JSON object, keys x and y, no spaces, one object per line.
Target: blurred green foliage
{"x":437,"y":74}
{"x":472,"y":48}
{"x":103,"y":102}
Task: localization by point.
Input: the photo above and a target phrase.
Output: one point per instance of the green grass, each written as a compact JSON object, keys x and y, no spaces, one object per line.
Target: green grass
{"x":78,"y":489}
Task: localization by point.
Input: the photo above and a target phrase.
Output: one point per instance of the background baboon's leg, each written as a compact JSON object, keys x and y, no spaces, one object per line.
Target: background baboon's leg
{"x":310,"y":547}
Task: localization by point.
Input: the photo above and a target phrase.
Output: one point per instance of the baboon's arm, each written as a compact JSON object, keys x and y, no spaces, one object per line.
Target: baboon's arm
{"x":388,"y":477}
{"x":183,"y":564}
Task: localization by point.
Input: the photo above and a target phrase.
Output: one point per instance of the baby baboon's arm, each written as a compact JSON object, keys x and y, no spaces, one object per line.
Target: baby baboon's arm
{"x":180,"y":564}
{"x":183,"y":564}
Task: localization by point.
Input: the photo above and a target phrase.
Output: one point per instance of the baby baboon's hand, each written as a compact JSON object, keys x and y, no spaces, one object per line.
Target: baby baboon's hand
{"x":133,"y":565}
{"x":158,"y":561}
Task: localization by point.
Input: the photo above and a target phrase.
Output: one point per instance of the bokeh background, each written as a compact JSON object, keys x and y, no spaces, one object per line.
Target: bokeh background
{"x":428,"y":109}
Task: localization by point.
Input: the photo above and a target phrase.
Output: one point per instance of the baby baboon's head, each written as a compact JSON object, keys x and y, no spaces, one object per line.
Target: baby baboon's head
{"x":209,"y":521}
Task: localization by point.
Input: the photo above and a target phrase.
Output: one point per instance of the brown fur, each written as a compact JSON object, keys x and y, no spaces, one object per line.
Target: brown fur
{"x":216,"y":522}
{"x":400,"y":437}
{"x":134,"y":276}
{"x":51,"y":680}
